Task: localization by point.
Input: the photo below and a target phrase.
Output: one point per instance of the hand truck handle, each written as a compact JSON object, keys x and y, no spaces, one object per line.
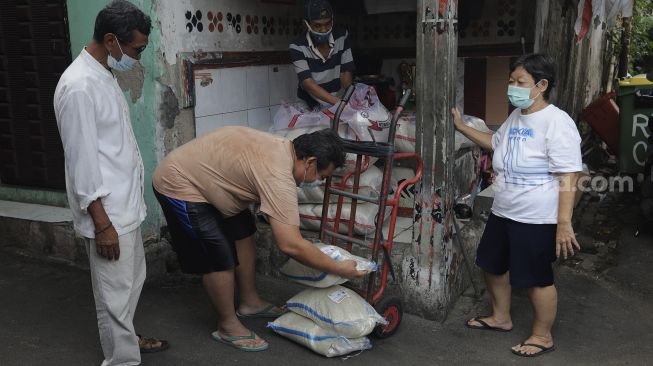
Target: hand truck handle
{"x":404,"y":98}
{"x":395,"y":117}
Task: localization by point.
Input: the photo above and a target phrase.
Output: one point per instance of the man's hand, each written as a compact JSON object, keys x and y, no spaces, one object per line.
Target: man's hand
{"x":347,"y":269}
{"x":107,"y":245}
{"x":566,"y":240}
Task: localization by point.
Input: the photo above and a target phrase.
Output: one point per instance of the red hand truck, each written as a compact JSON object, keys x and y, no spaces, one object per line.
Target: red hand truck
{"x":371,"y":290}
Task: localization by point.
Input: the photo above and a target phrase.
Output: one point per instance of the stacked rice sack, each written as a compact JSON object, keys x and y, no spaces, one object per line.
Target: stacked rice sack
{"x":359,"y":123}
{"x":405,"y":135}
{"x":329,"y":319}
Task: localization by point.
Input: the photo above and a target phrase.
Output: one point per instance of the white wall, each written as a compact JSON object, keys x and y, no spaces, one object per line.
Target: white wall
{"x":243,"y":96}
{"x":246,"y":96}
{"x":177,"y":36}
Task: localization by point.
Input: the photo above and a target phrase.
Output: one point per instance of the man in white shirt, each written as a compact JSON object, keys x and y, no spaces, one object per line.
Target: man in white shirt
{"x":104,"y":175}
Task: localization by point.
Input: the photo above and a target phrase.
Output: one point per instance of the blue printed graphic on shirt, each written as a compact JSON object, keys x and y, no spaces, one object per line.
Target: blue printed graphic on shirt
{"x":519,"y":169}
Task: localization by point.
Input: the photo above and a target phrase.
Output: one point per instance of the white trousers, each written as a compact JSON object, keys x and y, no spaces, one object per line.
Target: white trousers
{"x":116,"y":287}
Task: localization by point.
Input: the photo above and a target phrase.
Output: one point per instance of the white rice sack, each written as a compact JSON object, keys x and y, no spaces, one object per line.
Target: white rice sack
{"x":405,"y":135}
{"x":369,"y":185}
{"x":337,"y":309}
{"x":310,"y":195}
{"x":366,"y":115}
{"x":365,"y":221}
{"x":308,"y":210}
{"x":319,"y":340}
{"x":316,"y":278}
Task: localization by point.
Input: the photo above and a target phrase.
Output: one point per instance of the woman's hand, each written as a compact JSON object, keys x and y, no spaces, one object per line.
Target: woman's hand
{"x":566,"y":240}
{"x":457,"y":118}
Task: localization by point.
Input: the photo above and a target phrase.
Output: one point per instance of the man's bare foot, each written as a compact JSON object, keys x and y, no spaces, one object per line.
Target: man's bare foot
{"x":489,"y":323}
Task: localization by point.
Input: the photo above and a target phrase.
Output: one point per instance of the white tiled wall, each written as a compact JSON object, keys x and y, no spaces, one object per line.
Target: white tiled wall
{"x":243,"y":96}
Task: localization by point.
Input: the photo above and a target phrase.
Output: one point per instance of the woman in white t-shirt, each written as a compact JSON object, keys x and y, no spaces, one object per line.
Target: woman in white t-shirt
{"x":536,"y":159}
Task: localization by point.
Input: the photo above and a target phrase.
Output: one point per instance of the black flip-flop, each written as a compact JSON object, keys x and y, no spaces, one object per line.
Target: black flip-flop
{"x":543,"y":350}
{"x":484,"y":325}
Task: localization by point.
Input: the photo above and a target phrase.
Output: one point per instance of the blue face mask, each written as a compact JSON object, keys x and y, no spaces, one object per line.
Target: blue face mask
{"x":318,"y":37}
{"x":126,"y":63}
{"x":314,"y":184}
{"x":521,"y":97}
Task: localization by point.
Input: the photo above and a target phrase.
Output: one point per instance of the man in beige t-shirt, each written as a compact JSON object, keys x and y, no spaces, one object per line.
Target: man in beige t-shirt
{"x":205,"y":188}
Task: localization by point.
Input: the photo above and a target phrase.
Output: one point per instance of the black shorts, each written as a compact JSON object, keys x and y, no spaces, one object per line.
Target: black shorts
{"x":526,"y":250}
{"x":202,"y":238}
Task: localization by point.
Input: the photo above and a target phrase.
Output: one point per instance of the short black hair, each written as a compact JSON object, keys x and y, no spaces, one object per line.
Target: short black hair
{"x":121,"y":18}
{"x":540,"y":67}
{"x":325,"y":145}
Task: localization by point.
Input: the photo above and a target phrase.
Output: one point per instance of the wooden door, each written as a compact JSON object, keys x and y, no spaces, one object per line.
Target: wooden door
{"x":34,"y":51}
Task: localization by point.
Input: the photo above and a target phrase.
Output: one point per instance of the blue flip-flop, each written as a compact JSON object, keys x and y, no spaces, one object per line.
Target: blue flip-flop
{"x":230,"y":342}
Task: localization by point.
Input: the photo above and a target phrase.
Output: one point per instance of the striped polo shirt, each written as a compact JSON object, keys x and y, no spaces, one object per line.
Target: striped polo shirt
{"x":309,"y":63}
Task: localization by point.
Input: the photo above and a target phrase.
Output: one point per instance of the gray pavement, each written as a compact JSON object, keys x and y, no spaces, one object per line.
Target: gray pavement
{"x":47,"y":318}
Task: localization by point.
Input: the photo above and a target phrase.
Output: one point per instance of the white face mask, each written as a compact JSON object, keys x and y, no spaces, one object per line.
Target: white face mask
{"x":314,"y":184}
{"x":126,"y":63}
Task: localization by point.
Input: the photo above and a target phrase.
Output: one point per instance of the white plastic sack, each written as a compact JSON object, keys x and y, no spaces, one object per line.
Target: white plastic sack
{"x":369,"y":185}
{"x":477,"y":123}
{"x":307,"y":333}
{"x":366,"y":115}
{"x":337,"y":309}
{"x":363,"y":111}
{"x":365,"y":221}
{"x":405,"y":135}
{"x":314,"y":277}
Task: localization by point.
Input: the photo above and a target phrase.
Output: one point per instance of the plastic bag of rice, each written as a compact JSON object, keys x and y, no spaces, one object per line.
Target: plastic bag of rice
{"x":307,"y":333}
{"x":337,"y":309}
{"x":316,"y":278}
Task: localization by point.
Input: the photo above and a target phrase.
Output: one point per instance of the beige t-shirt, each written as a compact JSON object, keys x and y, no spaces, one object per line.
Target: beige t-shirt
{"x":231,"y":168}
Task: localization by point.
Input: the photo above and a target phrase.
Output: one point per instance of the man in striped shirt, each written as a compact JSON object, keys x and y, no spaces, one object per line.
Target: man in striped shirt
{"x":321,"y":56}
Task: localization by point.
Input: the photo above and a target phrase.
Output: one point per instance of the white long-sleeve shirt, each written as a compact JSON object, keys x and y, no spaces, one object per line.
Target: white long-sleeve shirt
{"x":102,"y":157}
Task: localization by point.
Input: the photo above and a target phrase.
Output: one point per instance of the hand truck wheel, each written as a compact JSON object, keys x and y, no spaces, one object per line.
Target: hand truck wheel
{"x":392,"y":310}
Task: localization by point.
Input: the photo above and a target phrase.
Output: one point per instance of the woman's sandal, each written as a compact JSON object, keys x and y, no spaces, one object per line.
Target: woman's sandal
{"x":483,"y":325}
{"x":542,"y":351}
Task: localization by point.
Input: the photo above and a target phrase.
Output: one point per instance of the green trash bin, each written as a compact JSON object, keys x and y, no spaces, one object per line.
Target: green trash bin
{"x":635,"y":100}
